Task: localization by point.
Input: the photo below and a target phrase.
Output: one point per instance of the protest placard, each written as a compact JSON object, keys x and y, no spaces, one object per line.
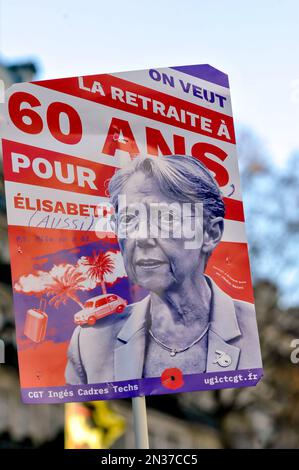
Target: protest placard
{"x":128,"y":249}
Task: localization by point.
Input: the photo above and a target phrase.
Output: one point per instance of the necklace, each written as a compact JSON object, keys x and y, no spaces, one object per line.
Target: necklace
{"x":174,"y":351}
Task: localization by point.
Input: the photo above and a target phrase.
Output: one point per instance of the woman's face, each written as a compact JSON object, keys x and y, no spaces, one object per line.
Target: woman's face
{"x":155,"y":263}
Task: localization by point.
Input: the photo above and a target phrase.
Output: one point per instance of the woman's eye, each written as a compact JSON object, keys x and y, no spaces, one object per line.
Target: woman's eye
{"x":169,"y":217}
{"x":127,"y":219}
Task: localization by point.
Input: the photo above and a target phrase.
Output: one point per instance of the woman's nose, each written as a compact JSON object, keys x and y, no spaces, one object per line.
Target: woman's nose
{"x":145,"y":242}
{"x":143,"y":234}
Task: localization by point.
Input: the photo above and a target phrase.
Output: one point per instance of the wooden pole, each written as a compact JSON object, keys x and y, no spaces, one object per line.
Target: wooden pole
{"x":140,"y":423}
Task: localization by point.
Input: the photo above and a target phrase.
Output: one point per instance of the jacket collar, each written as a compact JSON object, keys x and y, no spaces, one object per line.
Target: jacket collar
{"x":223,"y":315}
{"x":136,"y":321}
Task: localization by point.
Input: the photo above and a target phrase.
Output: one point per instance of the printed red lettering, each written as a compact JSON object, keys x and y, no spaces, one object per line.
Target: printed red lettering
{"x":200,"y":150}
{"x":18,"y":113}
{"x":120,"y":137}
{"x":54,"y":113}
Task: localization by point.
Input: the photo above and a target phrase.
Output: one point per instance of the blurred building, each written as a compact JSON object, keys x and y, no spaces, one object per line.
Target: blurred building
{"x":14,"y":73}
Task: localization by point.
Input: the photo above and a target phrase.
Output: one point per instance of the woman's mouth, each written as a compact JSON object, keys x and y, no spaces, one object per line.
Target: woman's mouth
{"x":149,"y":263}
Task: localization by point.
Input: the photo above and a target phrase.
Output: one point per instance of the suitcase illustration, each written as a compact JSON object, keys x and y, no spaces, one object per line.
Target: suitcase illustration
{"x":36,"y":323}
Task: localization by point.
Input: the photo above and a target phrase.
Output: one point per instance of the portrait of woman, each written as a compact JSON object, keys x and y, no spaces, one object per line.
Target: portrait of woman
{"x":169,"y":217}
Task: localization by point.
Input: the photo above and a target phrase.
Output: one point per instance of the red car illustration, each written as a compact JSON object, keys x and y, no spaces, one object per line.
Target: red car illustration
{"x":99,"y":307}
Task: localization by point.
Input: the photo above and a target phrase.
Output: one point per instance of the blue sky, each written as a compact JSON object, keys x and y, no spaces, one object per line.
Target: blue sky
{"x":256,"y":43}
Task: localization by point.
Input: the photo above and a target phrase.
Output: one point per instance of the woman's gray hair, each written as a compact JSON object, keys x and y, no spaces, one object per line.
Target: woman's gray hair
{"x":180,"y":177}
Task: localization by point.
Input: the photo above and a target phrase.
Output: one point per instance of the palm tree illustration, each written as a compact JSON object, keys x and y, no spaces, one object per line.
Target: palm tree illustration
{"x":65,"y":286}
{"x":100,"y":264}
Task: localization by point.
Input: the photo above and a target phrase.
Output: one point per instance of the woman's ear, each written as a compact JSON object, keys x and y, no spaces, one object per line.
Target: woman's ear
{"x":212,"y":234}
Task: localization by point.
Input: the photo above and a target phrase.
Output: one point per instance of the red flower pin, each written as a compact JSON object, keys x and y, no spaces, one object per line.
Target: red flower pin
{"x":172,"y":378}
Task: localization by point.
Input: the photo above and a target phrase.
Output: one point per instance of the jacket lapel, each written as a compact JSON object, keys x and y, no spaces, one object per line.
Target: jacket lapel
{"x":224,"y":328}
{"x":221,"y":355}
{"x":130,"y":349}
